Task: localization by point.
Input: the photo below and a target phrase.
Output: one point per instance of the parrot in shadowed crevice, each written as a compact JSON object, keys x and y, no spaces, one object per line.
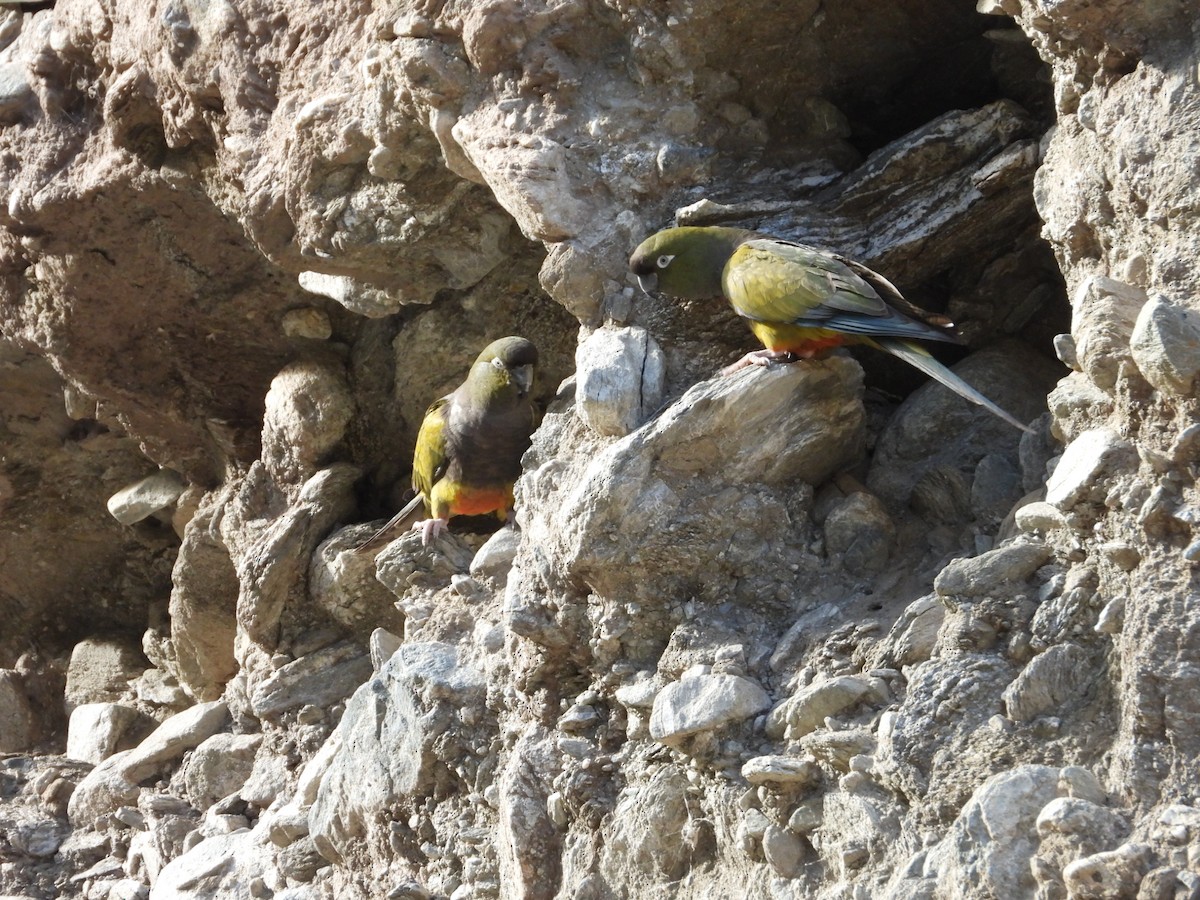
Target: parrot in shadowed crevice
{"x":470,"y":444}
{"x":799,"y":301}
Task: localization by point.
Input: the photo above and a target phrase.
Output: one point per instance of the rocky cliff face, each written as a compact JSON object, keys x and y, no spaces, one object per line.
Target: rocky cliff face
{"x":820,"y":630}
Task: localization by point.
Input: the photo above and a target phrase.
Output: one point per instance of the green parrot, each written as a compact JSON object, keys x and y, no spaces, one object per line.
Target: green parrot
{"x":799,"y":301}
{"x":470,"y":444}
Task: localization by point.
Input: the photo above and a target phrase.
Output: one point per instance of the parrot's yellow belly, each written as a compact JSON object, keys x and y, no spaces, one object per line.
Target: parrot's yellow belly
{"x":806,"y":342}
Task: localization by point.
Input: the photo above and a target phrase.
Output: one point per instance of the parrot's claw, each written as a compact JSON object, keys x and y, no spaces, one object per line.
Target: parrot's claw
{"x":762,"y":358}
{"x":430,"y":530}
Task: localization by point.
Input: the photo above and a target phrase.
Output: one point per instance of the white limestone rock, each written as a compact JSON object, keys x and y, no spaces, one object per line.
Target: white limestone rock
{"x":1104,"y":312}
{"x":95,"y":730}
{"x":619,"y":379}
{"x":218,"y":767}
{"x":1051,"y":682}
{"x":307,"y":410}
{"x":144,"y":498}
{"x":320,"y":679}
{"x":775,"y":769}
{"x":113,"y":782}
{"x":1083,"y":463}
{"x":1166,"y":346}
{"x":704,"y":703}
{"x":398,"y":732}
{"x":976,"y":576}
{"x":806,"y":710}
{"x":988,"y":849}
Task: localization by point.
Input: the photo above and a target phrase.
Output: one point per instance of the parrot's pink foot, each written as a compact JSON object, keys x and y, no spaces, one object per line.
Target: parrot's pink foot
{"x":430,"y":530}
{"x":760,"y":358}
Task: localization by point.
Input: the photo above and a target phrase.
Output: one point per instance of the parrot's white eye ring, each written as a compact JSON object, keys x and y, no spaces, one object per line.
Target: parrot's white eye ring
{"x":497,"y":362}
{"x":665,"y":260}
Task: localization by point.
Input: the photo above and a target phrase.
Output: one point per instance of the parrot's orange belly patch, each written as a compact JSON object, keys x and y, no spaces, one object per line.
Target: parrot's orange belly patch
{"x":473,"y":501}
{"x":806,"y":342}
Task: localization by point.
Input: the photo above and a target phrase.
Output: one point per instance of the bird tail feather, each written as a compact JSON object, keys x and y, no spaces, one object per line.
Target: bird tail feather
{"x":919,"y":357}
{"x":400,"y":521}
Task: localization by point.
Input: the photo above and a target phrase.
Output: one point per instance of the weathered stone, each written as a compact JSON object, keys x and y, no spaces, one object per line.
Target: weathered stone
{"x":1112,"y":617}
{"x":382,"y":645}
{"x":646,"y":815}
{"x":783,"y":850}
{"x":1104,"y":313}
{"x":114,"y":782}
{"x":300,"y":860}
{"x":837,"y":748}
{"x":203,"y":605}
{"x":619,"y":379}
{"x":219,"y":866}
{"x":1075,"y":816}
{"x":1109,"y":875}
{"x":15,"y":92}
{"x":807,"y":816}
{"x":495,"y":558}
{"x":639,"y":694}
{"x":989,"y":845}
{"x":342,"y":582}
{"x":1166,"y":346}
{"x":307,"y":411}
{"x":704,"y":703}
{"x":18,"y":725}
{"x":100,"y":671}
{"x":218,"y":767}
{"x":529,"y":847}
{"x":320,"y":679}
{"x":1052,"y":682}
{"x":1077,"y":781}
{"x":936,"y":429}
{"x":780,"y":769}
{"x":807,"y":421}
{"x":1085,"y":460}
{"x":144,"y":498}
{"x":1039,"y":516}
{"x":976,"y":576}
{"x":1077,"y":405}
{"x":159,"y":688}
{"x":995,"y":486}
{"x":860,"y":532}
{"x":807,"y":709}
{"x":397,"y":733}
{"x":355,"y":296}
{"x":307,"y":322}
{"x":95,"y":730}
{"x":536,"y":180}
{"x":406,"y":561}
{"x":1124,"y":556}
{"x":914,"y":634}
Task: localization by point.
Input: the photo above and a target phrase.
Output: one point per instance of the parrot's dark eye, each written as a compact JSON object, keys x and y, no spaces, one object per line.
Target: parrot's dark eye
{"x":665,"y":260}
{"x":497,"y":362}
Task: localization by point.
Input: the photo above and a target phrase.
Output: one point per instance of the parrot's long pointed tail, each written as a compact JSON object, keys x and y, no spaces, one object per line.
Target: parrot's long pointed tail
{"x":401,"y":521}
{"x":919,"y":357}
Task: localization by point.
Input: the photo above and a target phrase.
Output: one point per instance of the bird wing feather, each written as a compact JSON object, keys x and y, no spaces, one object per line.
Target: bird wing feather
{"x":778,"y":281}
{"x":788,"y":283}
{"x":430,"y":457}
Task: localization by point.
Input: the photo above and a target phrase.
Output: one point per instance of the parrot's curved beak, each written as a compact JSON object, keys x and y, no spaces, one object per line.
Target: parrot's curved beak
{"x":648,"y":283}
{"x":523,"y":377}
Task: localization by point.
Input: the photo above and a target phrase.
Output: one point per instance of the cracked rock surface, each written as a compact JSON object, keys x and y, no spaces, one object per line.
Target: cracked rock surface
{"x":819,"y":630}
